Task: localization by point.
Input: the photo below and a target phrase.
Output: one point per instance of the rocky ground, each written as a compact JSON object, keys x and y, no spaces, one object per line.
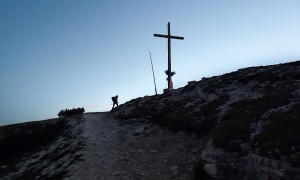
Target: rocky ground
{"x":98,"y":146}
{"x":251,"y":117}
{"x":48,"y":161}
{"x":134,"y":150}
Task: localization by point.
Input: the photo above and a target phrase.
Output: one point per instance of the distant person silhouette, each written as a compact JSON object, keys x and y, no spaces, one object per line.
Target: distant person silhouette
{"x":115,"y":101}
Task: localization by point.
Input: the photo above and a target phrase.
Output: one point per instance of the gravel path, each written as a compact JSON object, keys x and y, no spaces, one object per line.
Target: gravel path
{"x":133,"y":150}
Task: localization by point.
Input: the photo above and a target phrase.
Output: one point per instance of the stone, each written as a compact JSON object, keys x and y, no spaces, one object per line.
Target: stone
{"x":196,"y":150}
{"x":283,"y":158}
{"x":257,"y":151}
{"x":211,"y":169}
{"x":293,"y":148}
{"x":140,"y":130}
{"x":116,"y":173}
{"x":154,"y":151}
{"x":260,"y":160}
{"x":275,"y":164}
{"x":174,"y":170}
{"x":245,"y":146}
{"x":266,"y":162}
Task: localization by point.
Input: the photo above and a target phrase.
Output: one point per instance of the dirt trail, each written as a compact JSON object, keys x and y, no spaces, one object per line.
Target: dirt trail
{"x":115,"y":150}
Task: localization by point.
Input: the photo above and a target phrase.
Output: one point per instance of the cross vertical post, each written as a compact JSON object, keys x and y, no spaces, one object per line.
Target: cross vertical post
{"x":170,"y":82}
{"x":169,"y":71}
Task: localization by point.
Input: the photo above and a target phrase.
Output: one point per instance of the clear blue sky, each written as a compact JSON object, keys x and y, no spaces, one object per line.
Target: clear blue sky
{"x":57,"y":54}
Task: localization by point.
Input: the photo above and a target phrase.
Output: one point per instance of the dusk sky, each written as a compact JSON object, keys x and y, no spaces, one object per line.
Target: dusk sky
{"x":57,"y":54}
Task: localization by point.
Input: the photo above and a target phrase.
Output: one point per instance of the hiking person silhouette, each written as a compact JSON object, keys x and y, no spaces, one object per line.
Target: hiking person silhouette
{"x":115,"y":101}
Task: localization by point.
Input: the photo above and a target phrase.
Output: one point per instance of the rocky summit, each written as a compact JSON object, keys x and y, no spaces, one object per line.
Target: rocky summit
{"x":240,"y":125}
{"x":250,"y":118}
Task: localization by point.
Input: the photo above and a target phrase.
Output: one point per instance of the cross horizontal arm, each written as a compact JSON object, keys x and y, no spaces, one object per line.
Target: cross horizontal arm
{"x":160,"y":35}
{"x":177,"y":37}
{"x":166,"y":36}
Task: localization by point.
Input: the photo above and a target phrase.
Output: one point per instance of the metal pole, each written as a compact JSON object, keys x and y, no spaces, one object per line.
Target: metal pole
{"x":153,"y":73}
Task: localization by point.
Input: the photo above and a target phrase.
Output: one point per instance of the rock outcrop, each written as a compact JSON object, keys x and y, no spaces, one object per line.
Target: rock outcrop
{"x":245,"y":165}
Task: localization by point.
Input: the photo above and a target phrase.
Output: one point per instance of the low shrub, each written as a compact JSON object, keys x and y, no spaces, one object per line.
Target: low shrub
{"x":281,"y":133}
{"x":70,"y":112}
{"x":229,"y":135}
{"x":139,"y":112}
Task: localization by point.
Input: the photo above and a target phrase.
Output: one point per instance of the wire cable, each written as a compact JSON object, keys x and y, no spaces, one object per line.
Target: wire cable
{"x":198,"y":57}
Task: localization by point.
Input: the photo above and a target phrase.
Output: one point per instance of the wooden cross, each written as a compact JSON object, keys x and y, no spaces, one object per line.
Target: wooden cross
{"x":169,"y":72}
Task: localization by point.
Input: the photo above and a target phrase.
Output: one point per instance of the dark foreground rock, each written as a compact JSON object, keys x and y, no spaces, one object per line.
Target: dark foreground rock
{"x":40,"y":150}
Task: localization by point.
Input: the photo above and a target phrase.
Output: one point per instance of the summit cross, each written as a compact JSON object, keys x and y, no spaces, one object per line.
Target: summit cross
{"x":169,"y":71}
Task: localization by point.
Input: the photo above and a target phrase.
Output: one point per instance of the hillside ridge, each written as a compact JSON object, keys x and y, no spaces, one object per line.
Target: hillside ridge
{"x":250,"y":114}
{"x":240,"y":125}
